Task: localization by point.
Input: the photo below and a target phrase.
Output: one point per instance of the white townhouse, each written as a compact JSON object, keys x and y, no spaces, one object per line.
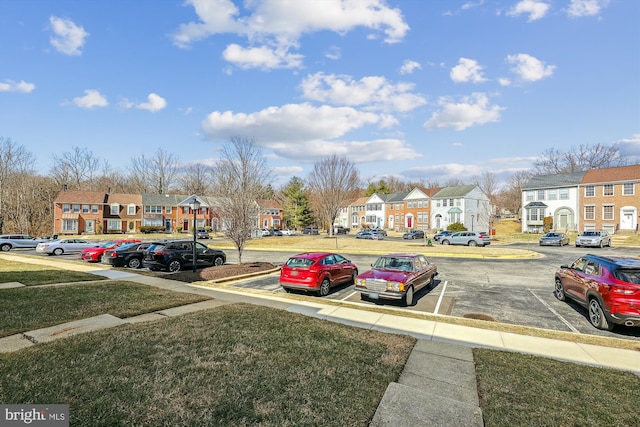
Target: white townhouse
{"x":375,"y":210}
{"x":466,"y":204}
{"x":555,"y":196}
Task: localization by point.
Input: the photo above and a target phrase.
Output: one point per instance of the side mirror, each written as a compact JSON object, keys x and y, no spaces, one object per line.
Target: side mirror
{"x":564,"y":266}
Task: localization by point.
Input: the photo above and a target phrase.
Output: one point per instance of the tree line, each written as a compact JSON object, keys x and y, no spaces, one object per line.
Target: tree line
{"x":239,"y":178}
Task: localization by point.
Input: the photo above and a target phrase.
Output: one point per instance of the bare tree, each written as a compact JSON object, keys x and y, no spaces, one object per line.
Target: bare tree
{"x":76,"y":168}
{"x":156,"y":174}
{"x":578,"y":159}
{"x":332,"y":182}
{"x":511,"y":196}
{"x":195,"y":179}
{"x":239,"y":181}
{"x":488,"y":183}
{"x":14,"y":159}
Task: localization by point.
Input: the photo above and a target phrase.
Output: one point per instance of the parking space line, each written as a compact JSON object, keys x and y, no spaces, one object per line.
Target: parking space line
{"x":435,"y":310}
{"x":562,"y":319}
{"x":349,"y":296}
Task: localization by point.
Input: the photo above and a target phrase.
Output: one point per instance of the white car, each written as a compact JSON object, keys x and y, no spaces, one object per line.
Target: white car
{"x":11,"y":241}
{"x":289,"y":232}
{"x":65,"y":246}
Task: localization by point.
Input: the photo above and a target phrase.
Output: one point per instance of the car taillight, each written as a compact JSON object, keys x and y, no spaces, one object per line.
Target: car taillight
{"x":114,"y":254}
{"x":623,"y":290}
{"x":314,"y":270}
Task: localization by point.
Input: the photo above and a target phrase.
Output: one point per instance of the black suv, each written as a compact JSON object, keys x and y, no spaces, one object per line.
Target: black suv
{"x":174,"y":255}
{"x":413,"y":234}
{"x":310,"y":230}
{"x":126,"y":255}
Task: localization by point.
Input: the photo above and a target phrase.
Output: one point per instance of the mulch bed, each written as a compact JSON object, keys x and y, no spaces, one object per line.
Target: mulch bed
{"x":221,"y":272}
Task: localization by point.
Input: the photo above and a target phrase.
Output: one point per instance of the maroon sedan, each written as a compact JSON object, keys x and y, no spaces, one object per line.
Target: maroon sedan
{"x":316,"y":272}
{"x":397,"y":277}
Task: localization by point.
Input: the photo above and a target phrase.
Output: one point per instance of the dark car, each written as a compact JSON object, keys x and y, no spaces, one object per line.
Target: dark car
{"x":316,"y":272}
{"x":130,"y":255}
{"x":174,"y":255}
{"x":95,"y":254}
{"x":608,"y":287}
{"x":413,"y":234}
{"x":441,"y":234}
{"x":275,"y":232}
{"x":310,"y":230}
{"x":397,"y":277}
{"x":339,"y":230}
{"x":554,"y":238}
{"x":379,"y":231}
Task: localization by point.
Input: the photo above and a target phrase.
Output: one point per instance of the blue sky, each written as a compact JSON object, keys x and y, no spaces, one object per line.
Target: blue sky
{"x":413,"y":89}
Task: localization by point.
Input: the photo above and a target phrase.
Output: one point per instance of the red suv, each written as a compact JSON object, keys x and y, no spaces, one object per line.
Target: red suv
{"x":608,"y":286}
{"x":316,"y":272}
{"x":95,"y":254}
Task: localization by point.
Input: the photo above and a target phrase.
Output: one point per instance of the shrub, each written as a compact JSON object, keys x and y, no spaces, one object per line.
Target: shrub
{"x":456,"y":226}
{"x":145,"y":229}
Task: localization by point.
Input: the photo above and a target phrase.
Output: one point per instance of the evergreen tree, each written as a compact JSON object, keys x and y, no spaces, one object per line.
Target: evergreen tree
{"x":296,"y":208}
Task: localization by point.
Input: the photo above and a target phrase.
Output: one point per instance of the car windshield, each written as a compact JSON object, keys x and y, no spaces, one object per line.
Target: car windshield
{"x":299,"y":262}
{"x":553,"y":235}
{"x":591,"y":233}
{"x":127,"y":246}
{"x":394,"y":263}
{"x":629,"y":276}
{"x":107,"y":245}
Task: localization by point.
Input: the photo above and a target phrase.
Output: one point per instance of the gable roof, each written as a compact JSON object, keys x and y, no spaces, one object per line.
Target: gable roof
{"x":611,"y":175}
{"x":396,"y":197}
{"x":359,"y":202}
{"x":571,"y":179}
{"x":86,"y":197}
{"x":458,"y":191}
{"x":269,"y":204}
{"x":124,"y":199}
{"x":160,"y":199}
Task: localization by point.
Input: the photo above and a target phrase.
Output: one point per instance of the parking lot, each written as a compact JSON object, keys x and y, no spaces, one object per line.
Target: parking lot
{"x":516,"y":291}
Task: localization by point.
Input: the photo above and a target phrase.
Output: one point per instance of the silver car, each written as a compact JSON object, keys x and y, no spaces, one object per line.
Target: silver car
{"x":593,"y":238}
{"x":553,"y":238}
{"x":468,"y":238}
{"x":11,"y":241}
{"x":65,"y":246}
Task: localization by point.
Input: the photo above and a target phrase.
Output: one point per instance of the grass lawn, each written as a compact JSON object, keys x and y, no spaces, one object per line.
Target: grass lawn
{"x":521,"y":390}
{"x":28,"y":308}
{"x":33,"y":274}
{"x":235,"y":365}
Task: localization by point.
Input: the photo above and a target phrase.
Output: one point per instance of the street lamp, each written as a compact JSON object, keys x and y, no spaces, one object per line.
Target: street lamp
{"x":194,"y":204}
{"x":472,"y":222}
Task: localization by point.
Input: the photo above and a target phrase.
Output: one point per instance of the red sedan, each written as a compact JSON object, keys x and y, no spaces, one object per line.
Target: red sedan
{"x":316,"y":272}
{"x":95,"y":254}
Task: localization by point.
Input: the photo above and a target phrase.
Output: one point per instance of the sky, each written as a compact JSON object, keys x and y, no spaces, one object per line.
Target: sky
{"x":428,"y":90}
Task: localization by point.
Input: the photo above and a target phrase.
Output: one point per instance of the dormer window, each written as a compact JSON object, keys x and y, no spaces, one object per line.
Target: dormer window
{"x":131,"y":209}
{"x":115,"y":209}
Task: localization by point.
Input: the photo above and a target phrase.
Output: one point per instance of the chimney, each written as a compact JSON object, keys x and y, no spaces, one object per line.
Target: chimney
{"x":64,"y":187}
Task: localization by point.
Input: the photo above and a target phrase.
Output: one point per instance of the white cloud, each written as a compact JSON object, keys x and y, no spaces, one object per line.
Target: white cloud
{"x":371,"y":92}
{"x":279,"y":25}
{"x":629,"y":148}
{"x":503,"y":81}
{"x":21,"y":86}
{"x":67,"y":38}
{"x":154,"y":103}
{"x":466,"y":71}
{"x":529,"y":68}
{"x":472,"y":110}
{"x":408,"y":67}
{"x":535,"y":9}
{"x":91,"y":99}
{"x":578,"y":8}
{"x":305,"y":132}
{"x":334,"y":53}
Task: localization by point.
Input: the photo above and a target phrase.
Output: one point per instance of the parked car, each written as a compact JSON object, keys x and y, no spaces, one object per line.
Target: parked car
{"x":397,"y":277}
{"x":316,"y":272}
{"x":65,"y":246}
{"x":607,"y":286}
{"x":368,"y":234}
{"x":265,"y":232}
{"x":14,"y":241}
{"x":289,"y":232}
{"x":554,"y":238}
{"x":339,"y":230}
{"x":174,"y":255}
{"x":469,"y":238}
{"x":95,"y":254}
{"x":129,"y":255}
{"x":413,"y":234}
{"x":201,"y":233}
{"x":275,"y":232}
{"x":441,"y":234}
{"x":594,"y":238}
{"x":380,"y":230}
{"x":310,"y":230}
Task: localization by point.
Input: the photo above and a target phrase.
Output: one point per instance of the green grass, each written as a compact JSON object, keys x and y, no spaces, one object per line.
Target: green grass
{"x":25,"y":309}
{"x":235,"y":365}
{"x":523,"y":390}
{"x":33,"y":274}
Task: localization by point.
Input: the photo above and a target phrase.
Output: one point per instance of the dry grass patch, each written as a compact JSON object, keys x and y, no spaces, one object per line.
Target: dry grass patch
{"x":33,"y":274}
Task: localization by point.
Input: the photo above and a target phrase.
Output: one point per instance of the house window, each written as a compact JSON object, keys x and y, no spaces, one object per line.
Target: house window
{"x":391,"y":206}
{"x":76,"y":208}
{"x":70,"y":225}
{"x":540,"y":194}
{"x":94,"y":209}
{"x":85,"y":208}
{"x":590,"y":191}
{"x":444,"y":203}
{"x":628,"y":189}
{"x":131,"y":210}
{"x":185,"y":210}
{"x":114,"y":225}
{"x":529,"y":196}
{"x":66,"y":208}
{"x":152,"y":221}
{"x":437,"y":203}
{"x":589,"y":213}
{"x":564,"y":194}
{"x":115,"y":209}
{"x":153,"y":209}
{"x":607,"y":190}
{"x":450,"y":202}
{"x":607,"y":212}
{"x":167,"y":210}
{"x":552,"y":194}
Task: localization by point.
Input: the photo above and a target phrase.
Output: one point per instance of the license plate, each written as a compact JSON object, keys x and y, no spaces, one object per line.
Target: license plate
{"x":373,"y":296}
{"x":294,"y":273}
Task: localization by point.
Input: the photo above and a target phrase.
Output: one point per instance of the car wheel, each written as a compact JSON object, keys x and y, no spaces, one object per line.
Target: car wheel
{"x":58,"y":251}
{"x":559,"y":291}
{"x":287,"y":290}
{"x":577,"y":245}
{"x":134,"y":263}
{"x":324,"y":287}
{"x":5,"y":248}
{"x":175,"y":265}
{"x":597,"y":317}
{"x":99,"y":258}
{"x":445,"y":242}
{"x":609,"y":245}
{"x":432,"y":282}
{"x":472,"y":243}
{"x":218,"y":261}
{"x":601,"y":244}
{"x":354,"y":275}
{"x":408,"y":297}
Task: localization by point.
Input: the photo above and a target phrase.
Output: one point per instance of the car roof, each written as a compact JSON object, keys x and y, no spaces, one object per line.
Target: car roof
{"x":400,"y":255}
{"x":313,"y":255}
{"x":614,"y":262}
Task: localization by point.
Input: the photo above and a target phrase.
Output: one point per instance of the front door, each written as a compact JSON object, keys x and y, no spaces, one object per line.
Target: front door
{"x":627,"y":218}
{"x":90,"y":226}
{"x":185,"y":225}
{"x":167,"y":224}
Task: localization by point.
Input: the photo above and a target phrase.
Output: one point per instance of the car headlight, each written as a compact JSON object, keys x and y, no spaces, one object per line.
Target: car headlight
{"x":395,"y":286}
{"x":360,"y":282}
